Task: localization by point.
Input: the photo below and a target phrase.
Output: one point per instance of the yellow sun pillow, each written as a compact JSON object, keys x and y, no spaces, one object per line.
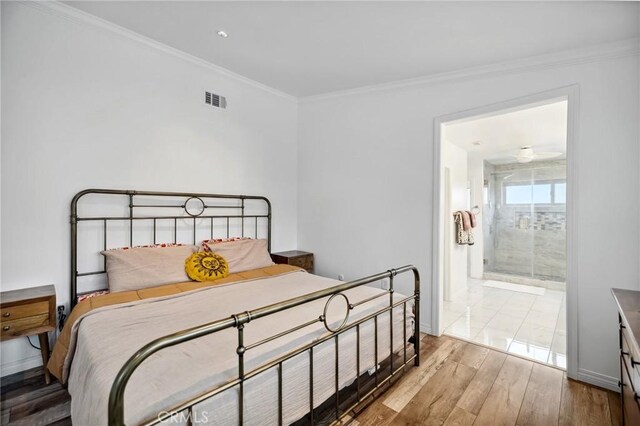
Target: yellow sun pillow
{"x":206,"y":266}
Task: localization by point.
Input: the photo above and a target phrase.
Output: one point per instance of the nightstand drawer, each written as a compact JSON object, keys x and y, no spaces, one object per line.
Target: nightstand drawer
{"x":27,"y":312}
{"x":23,"y":326}
{"x":301,"y":259}
{"x":21,"y":311}
{"x":630,"y":357}
{"x":305,"y":262}
{"x":629,"y":398}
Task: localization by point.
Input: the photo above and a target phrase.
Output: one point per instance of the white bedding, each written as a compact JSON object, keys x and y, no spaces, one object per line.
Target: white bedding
{"x":107,"y":337}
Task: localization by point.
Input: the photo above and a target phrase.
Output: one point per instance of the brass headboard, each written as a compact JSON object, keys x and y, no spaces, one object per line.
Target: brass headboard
{"x":169,"y":217}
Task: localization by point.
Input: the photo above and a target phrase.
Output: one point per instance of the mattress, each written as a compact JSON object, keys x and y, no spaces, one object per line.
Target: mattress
{"x":103,"y":339}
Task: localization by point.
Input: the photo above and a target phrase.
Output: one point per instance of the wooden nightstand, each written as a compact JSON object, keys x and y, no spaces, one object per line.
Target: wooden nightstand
{"x":28,"y":312}
{"x":299,"y":258}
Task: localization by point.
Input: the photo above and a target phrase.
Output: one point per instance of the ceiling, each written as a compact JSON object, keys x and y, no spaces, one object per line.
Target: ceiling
{"x":306,"y":48}
{"x":500,"y":136}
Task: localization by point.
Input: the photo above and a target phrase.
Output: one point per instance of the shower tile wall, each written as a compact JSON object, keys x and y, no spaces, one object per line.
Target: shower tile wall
{"x":526,"y":240}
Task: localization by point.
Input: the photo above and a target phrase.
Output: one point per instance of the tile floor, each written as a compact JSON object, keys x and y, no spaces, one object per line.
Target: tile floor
{"x":519,"y":323}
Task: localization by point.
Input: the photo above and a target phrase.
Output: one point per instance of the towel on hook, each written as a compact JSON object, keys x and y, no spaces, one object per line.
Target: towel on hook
{"x":463,"y":236}
{"x":466,"y":220}
{"x":472,"y":218}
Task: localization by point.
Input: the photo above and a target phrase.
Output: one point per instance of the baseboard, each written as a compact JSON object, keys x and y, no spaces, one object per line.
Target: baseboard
{"x":20,"y":365}
{"x":598,"y":379}
{"x":425,"y":328}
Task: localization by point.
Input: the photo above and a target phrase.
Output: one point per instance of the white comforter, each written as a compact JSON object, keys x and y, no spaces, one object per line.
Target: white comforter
{"x":107,"y":337}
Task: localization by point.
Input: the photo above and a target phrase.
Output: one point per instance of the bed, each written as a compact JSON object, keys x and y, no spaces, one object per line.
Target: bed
{"x":271,"y":345}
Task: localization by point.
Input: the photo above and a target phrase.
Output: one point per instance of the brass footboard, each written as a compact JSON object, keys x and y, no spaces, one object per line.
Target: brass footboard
{"x":241,"y":320}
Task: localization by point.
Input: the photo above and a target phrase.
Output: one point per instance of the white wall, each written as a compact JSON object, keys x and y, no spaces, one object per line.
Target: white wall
{"x":454,"y":159}
{"x":0,"y":146}
{"x":84,"y":107}
{"x":366,"y":183}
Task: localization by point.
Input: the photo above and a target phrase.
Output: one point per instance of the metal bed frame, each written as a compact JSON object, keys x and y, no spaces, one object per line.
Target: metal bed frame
{"x":240,"y":320}
{"x":209,"y":208}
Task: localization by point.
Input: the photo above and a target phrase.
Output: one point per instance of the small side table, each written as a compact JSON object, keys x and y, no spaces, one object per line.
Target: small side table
{"x":299,"y":258}
{"x":28,"y":312}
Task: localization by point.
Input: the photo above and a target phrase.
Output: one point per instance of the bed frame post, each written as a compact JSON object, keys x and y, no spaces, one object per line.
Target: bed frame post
{"x":268,"y":223}
{"x":416,"y":331}
{"x":74,"y":257}
{"x":73,"y":219}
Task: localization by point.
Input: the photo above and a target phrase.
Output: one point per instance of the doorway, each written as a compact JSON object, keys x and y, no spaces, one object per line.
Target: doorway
{"x":508,"y":171}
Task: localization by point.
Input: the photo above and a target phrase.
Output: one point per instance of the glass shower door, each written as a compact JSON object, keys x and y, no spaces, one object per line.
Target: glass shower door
{"x":526,"y":230}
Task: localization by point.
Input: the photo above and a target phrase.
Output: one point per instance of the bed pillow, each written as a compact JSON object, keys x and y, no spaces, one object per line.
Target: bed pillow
{"x":205,"y":243}
{"x":141,"y":267}
{"x":243,"y":255}
{"x":206,"y":266}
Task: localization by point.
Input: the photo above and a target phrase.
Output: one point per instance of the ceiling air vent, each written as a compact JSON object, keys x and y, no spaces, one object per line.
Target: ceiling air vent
{"x":215,"y":100}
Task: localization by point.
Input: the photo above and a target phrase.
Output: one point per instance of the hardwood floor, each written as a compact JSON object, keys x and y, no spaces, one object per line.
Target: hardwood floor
{"x":457,"y":383}
{"x":26,"y":400}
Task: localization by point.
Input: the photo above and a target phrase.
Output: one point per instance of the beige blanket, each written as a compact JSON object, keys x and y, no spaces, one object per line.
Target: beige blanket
{"x":106,"y":337}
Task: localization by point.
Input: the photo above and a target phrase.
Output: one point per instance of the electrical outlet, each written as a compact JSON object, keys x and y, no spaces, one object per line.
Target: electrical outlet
{"x":384,"y":284}
{"x":61,"y":317}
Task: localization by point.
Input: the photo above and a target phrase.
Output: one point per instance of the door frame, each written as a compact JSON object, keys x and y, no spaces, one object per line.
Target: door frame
{"x":447,"y":246}
{"x":572,"y":95}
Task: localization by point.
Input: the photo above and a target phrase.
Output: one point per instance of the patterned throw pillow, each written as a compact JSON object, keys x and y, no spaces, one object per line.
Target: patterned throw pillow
{"x":162,"y":245}
{"x":92,"y":294}
{"x":206,"y":266}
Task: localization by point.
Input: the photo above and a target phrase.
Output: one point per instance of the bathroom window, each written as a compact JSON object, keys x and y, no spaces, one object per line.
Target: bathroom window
{"x":538,"y":193}
{"x":560,"y":193}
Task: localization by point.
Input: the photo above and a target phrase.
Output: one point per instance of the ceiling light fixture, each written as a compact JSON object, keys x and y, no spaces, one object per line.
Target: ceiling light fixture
{"x":527,"y":155}
{"x":223,"y":34}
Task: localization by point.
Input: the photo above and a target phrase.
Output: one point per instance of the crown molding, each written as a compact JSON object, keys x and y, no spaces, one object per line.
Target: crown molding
{"x":601,"y":52}
{"x":596,"y":53}
{"x":54,"y":7}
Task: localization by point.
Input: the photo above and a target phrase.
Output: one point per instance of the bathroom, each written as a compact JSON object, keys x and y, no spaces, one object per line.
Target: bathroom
{"x":506,"y":288}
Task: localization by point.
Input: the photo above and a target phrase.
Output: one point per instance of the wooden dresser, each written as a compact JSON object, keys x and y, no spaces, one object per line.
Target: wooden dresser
{"x":299,"y":258}
{"x":28,"y":312}
{"x":628,"y":302}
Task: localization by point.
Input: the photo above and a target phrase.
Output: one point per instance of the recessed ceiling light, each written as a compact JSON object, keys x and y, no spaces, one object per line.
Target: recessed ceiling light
{"x":223,"y":34}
